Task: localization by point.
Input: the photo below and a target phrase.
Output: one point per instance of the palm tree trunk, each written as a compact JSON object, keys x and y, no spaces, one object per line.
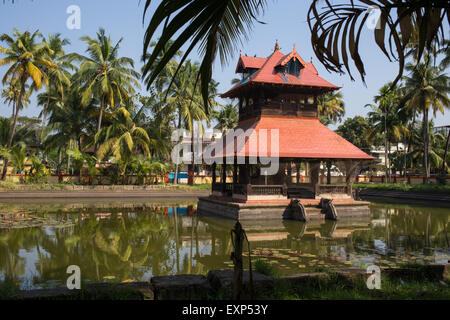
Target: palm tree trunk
{"x":14,"y":109}
{"x":44,"y":116}
{"x":404,"y":158}
{"x":191,"y":167}
{"x":386,"y":161}
{"x":386,"y":157}
{"x":410,"y":138}
{"x":425,"y":143}
{"x":444,"y":162}
{"x":13,"y":129}
{"x":100,"y":117}
{"x":58,"y":169}
{"x":176,"y":165}
{"x":389,"y":161}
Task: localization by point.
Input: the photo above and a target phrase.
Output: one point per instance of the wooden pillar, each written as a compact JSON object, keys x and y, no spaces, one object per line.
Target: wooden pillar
{"x":329,"y":172}
{"x":297,"y":169}
{"x":224,"y":177}
{"x":213,"y":169}
{"x":314,"y":174}
{"x":247,"y":173}
{"x":307,"y":170}
{"x":289,"y":173}
{"x":235,"y":171}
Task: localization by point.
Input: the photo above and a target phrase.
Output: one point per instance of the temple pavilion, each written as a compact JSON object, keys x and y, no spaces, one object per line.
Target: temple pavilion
{"x":281,"y":92}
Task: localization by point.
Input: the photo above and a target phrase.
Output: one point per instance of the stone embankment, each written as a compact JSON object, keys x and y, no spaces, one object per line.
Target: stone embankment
{"x":219,"y":282}
{"x":442,"y":199}
{"x":79,"y":191}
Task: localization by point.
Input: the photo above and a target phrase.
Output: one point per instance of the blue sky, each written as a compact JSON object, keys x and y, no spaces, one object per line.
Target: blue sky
{"x":284,"y":20}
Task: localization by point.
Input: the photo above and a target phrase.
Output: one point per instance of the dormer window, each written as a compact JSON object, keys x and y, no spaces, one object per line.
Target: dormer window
{"x":293,"y":67}
{"x":247,"y":74}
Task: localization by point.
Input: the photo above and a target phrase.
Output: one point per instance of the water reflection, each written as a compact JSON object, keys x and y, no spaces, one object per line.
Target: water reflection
{"x":134,"y":241}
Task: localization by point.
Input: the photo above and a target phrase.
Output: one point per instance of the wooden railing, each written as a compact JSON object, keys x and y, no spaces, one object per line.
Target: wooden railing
{"x":335,"y":189}
{"x":269,"y":190}
{"x":218,"y":187}
{"x":246,"y":189}
{"x":266,"y":190}
{"x":259,"y":190}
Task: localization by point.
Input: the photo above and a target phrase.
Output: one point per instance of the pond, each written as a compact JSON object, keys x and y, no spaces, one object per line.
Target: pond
{"x":116,"y":241}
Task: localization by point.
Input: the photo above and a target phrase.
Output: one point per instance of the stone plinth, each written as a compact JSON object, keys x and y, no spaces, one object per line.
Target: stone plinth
{"x":223,"y":280}
{"x":262,"y":210}
{"x":185,"y":287}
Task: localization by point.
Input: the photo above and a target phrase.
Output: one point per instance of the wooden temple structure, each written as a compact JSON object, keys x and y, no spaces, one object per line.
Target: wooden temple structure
{"x":281,"y":92}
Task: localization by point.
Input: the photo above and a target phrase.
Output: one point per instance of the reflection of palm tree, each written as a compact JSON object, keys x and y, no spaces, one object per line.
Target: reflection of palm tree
{"x":116,"y":246}
{"x":419,"y":226}
{"x":12,"y":266}
{"x":175,"y":215}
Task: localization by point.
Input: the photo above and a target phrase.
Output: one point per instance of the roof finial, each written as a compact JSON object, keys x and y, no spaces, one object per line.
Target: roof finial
{"x":294,"y":48}
{"x":277,"y":47}
{"x":240,"y":52}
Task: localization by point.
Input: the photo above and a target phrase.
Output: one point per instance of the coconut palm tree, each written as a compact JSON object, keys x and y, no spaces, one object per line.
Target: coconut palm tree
{"x":165,"y":76}
{"x":18,"y":155}
{"x":159,"y":133}
{"x":426,"y":89}
{"x":227,"y":118}
{"x":436,"y":150}
{"x":70,"y":123}
{"x":388,"y":119}
{"x":105,"y":75}
{"x":11,"y":94}
{"x":27,"y":60}
{"x":121,"y":138}
{"x":184,"y":100}
{"x":446,"y":52}
{"x":58,"y":78}
{"x":336,"y":30}
{"x":331,"y":108}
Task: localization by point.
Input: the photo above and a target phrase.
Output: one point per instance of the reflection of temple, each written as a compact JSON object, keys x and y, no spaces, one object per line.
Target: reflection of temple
{"x":301,"y":239}
{"x":278,"y":121}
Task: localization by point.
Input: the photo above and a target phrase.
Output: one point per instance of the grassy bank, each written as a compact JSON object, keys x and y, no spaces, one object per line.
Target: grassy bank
{"x":419,"y":188}
{"x":333,"y":287}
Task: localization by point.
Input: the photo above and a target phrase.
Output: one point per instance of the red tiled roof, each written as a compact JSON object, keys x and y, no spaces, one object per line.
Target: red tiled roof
{"x":298,"y":138}
{"x":250,"y":62}
{"x":267,"y":73}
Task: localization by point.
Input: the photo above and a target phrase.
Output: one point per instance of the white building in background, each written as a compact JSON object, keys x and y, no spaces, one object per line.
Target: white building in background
{"x":444,"y":129}
{"x":207,"y":139}
{"x":379,"y":153}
